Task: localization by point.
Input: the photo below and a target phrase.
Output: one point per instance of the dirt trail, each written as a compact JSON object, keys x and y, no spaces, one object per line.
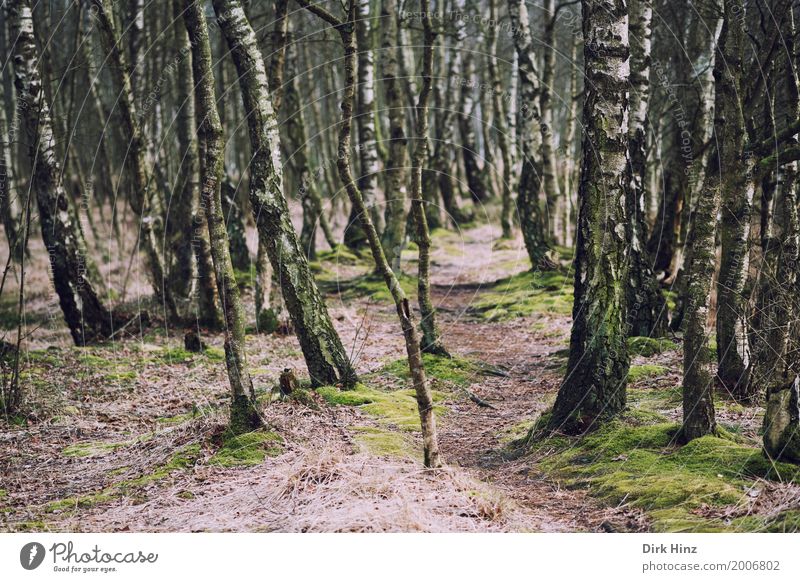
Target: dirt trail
{"x":323,"y":480}
{"x":476,"y":438}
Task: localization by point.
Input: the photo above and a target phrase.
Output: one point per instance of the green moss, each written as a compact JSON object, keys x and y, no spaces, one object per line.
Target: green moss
{"x":183,"y":458}
{"x":636,"y":373}
{"x":441,"y":370}
{"x":215,"y":354}
{"x":636,"y":460}
{"x":649,"y":346}
{"x":383,"y":442}
{"x":95,"y":361}
{"x":95,"y":448}
{"x":247,"y":449}
{"x":525,"y":294}
{"x":121,"y":377}
{"x":174,"y":355}
{"x":374,"y":287}
{"x":396,"y":408}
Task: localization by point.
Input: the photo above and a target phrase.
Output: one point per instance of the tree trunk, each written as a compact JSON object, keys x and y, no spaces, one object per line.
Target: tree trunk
{"x":647,"y":311}
{"x":698,"y":379}
{"x":500,"y":122}
{"x":737,"y":186}
{"x":773,"y":362}
{"x":597,"y":370}
{"x":322,"y":348}
{"x":142,"y":194}
{"x":244,"y":415}
{"x":552,"y":192}
{"x":410,"y":335}
{"x":530,"y":183}
{"x":466,"y":126}
{"x":86,"y":316}
{"x":396,"y":195}
{"x":431,"y":337}
{"x":185,"y":192}
{"x":354,"y":236}
{"x":570,"y":165}
{"x":6,"y":180}
{"x":297,"y":142}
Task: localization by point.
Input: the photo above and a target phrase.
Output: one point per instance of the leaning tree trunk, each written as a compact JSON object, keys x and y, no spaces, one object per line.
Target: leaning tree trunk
{"x":647,"y":312}
{"x":737,"y":186}
{"x":597,"y":370}
{"x":142,"y":191}
{"x":396,"y":195}
{"x":86,"y":316}
{"x":322,"y":348}
{"x":244,"y":415}
{"x":530,"y":182}
{"x":404,"y":312}
{"x":354,"y":236}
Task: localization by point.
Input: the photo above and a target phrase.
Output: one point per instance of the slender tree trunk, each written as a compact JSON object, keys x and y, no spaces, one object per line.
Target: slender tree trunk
{"x":6,"y":182}
{"x":570,"y":167}
{"x":412,"y":340}
{"x":530,"y":183}
{"x":688,"y":154}
{"x":244,"y":415}
{"x":500,"y":121}
{"x":86,"y":316}
{"x":431,"y":337}
{"x":647,"y":313}
{"x":444,"y":149}
{"x":185,"y":191}
{"x":737,"y":186}
{"x":354,"y":236}
{"x":466,"y":126}
{"x":297,"y":142}
{"x":142,"y":195}
{"x":597,"y":370}
{"x":323,"y":350}
{"x":396,"y":195}
{"x":552,"y":191}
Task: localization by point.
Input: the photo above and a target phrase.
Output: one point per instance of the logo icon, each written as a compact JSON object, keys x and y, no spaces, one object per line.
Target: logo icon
{"x":31,"y":555}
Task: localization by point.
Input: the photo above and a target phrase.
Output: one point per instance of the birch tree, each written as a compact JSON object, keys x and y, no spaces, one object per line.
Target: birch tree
{"x":322,"y":348}
{"x":86,"y":316}
{"x":594,"y":386}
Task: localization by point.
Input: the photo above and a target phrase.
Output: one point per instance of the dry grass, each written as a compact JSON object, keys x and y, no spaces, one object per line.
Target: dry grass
{"x":322,"y":491}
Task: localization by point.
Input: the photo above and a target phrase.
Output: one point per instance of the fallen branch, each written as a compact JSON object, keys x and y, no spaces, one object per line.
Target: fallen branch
{"x":477,"y":399}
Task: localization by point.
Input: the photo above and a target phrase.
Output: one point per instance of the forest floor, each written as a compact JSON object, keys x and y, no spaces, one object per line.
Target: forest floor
{"x":129,"y":436}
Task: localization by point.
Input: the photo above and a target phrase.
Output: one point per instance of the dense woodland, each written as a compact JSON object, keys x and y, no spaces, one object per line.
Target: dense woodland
{"x":384,"y":265}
